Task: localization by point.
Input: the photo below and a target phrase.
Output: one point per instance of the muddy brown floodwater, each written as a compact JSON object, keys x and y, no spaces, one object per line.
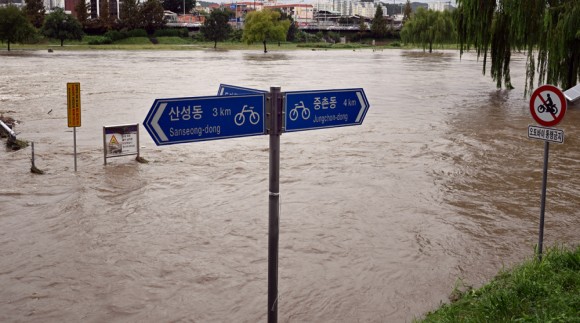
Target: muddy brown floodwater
{"x":378,"y":221}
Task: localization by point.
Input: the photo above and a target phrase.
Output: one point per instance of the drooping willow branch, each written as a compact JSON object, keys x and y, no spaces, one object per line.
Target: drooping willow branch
{"x":548,"y":31}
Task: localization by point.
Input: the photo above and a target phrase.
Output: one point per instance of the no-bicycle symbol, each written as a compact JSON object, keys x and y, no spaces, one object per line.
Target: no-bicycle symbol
{"x":548,"y":105}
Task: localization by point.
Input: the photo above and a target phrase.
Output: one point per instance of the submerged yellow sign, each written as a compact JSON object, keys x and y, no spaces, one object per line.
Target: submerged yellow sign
{"x":74,"y":104}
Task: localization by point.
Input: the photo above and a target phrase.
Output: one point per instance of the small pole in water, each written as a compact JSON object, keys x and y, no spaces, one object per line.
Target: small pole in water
{"x":32,"y":145}
{"x":33,"y":168}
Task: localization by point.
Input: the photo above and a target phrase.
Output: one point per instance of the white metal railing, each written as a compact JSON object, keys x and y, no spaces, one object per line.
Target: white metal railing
{"x":10,"y":132}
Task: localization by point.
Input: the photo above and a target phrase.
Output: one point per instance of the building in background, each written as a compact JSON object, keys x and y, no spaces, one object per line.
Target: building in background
{"x":17,"y":3}
{"x":440,"y":6}
{"x":300,"y":12}
{"x":364,"y":9}
{"x":324,"y":5}
{"x":95,"y":8}
{"x":70,"y":5}
{"x":53,"y":4}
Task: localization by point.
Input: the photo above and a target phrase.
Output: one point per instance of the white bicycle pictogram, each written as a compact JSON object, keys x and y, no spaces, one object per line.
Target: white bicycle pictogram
{"x":240,"y":117}
{"x":294,"y":112}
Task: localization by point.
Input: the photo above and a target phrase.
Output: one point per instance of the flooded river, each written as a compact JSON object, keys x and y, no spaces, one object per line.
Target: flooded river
{"x":378,"y":222}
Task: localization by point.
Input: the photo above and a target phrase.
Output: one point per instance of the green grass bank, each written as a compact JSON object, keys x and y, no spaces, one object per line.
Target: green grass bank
{"x":534,"y":291}
{"x":187,"y":43}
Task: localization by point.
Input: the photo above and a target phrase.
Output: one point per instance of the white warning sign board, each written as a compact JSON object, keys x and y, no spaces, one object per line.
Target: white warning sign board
{"x":121,"y":140}
{"x":546,"y":134}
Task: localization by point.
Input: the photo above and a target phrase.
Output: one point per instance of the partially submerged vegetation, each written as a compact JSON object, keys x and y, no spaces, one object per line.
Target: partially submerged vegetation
{"x":6,"y":131}
{"x":535,"y":291}
{"x":17,"y":144}
{"x":192,"y":43}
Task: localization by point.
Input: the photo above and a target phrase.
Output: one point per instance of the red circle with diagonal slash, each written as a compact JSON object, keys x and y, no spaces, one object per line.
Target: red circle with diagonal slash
{"x":541,"y":109}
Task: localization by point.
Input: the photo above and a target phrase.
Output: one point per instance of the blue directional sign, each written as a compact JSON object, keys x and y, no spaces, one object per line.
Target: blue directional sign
{"x":181,"y":120}
{"x":309,"y":110}
{"x":226,"y":89}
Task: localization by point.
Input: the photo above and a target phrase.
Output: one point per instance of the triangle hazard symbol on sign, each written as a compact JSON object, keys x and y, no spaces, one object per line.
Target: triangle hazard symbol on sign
{"x":113,"y":140}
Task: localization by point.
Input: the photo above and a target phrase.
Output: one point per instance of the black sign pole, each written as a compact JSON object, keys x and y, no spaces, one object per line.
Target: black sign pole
{"x":543,"y":201}
{"x":275,"y":111}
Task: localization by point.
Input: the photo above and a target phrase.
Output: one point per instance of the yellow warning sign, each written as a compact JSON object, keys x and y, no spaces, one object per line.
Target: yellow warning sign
{"x":113,"y":141}
{"x":74,"y":104}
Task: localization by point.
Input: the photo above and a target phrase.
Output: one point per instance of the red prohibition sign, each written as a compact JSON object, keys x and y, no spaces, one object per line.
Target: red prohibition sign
{"x":548,"y":105}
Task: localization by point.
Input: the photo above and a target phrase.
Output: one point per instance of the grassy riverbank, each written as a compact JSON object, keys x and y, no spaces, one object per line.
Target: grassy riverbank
{"x":546,"y":291}
{"x":179,"y":43}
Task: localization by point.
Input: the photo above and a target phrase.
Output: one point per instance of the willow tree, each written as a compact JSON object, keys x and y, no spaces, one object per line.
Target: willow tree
{"x":263,"y":26}
{"x":548,"y":31}
{"x":428,"y":27}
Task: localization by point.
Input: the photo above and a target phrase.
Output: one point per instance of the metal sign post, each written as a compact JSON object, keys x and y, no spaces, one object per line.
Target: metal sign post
{"x":547,"y":107}
{"x":240,"y":112}
{"x":275,"y":108}
{"x":543,"y":198}
{"x":74,"y":111}
{"x":75,"y":145}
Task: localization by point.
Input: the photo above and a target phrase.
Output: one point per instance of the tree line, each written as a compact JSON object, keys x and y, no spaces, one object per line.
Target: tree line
{"x":547,"y":31}
{"x":273,"y":25}
{"x":26,"y":24}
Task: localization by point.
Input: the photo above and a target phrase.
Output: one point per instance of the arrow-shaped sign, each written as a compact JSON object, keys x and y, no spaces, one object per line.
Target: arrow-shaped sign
{"x":226,"y":89}
{"x":181,"y":120}
{"x":306,"y":110}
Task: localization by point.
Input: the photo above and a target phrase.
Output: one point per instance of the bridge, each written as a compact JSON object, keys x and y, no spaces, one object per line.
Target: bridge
{"x":321,"y":21}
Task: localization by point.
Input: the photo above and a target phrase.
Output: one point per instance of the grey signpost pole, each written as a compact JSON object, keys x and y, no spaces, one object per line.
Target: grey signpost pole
{"x":543,"y":199}
{"x":275,"y":111}
{"x":75,"y":144}
{"x":105,"y":145}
